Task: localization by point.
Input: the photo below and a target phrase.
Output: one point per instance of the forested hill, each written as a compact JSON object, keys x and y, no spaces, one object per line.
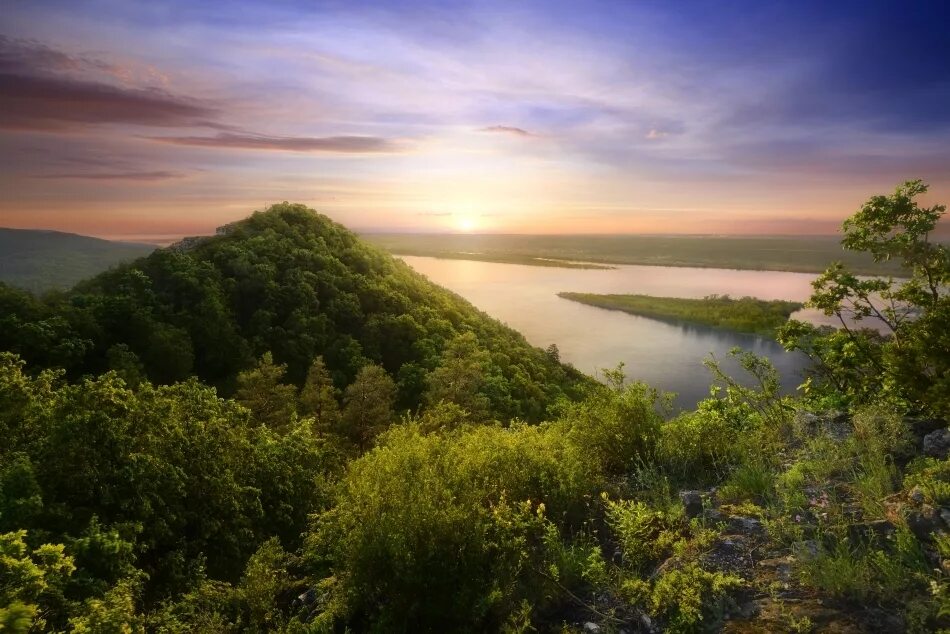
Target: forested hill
{"x":45,"y":260}
{"x":290,"y":282}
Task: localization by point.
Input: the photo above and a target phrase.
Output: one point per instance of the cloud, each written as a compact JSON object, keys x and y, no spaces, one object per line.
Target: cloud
{"x":338,"y":144}
{"x":506,"y":129}
{"x":654,"y":134}
{"x":158,"y":175}
{"x":18,"y":55}
{"x":37,"y":102}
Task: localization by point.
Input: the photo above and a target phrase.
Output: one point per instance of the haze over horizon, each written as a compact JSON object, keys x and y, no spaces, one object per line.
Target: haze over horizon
{"x":157,"y":121}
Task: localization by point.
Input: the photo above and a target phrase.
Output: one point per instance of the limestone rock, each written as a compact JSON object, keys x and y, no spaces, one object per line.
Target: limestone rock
{"x":937,"y":444}
{"x":692,"y":502}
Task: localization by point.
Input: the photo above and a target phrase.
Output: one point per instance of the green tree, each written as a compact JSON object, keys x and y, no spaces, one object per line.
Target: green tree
{"x":28,"y":579}
{"x":908,"y":354}
{"x":318,"y":397}
{"x":262,"y":391}
{"x":368,"y":405}
{"x":460,"y":376}
{"x":126,"y":364}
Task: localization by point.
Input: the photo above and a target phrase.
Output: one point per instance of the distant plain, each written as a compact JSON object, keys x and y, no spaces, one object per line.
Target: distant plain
{"x":802,"y":254}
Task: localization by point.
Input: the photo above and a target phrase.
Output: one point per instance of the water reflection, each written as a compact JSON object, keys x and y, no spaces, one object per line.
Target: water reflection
{"x":666,"y":355}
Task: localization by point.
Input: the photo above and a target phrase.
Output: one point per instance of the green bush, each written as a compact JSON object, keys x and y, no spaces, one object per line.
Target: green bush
{"x":615,"y":425}
{"x":932,"y":476}
{"x":436,"y":532}
{"x":688,"y":599}
{"x":864,"y":572}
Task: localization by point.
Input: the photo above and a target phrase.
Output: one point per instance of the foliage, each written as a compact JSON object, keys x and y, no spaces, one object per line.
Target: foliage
{"x":865,"y":573}
{"x":460,"y":377}
{"x":441,"y":533}
{"x":288,"y":282}
{"x":615,"y":426}
{"x":263,"y":391}
{"x":375,"y":471}
{"x":367,"y":405}
{"x":909,"y":361}
{"x":28,"y":578}
{"x":122,"y":475}
{"x":746,"y":314}
{"x":318,"y":397}
{"x":687,"y":597}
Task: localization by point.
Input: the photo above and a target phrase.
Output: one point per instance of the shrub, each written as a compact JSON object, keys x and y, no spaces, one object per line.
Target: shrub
{"x":448,"y":532}
{"x":688,"y":599}
{"x":614,"y":425}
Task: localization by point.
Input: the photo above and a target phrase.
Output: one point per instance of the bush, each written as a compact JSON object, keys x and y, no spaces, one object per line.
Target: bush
{"x":452,"y":532}
{"x":866,"y":573}
{"x":689,"y":599}
{"x":615,"y":425}
{"x":932,"y":476}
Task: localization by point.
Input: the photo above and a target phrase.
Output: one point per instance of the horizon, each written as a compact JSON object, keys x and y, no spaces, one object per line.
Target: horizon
{"x":166,"y":240}
{"x":168,"y":120}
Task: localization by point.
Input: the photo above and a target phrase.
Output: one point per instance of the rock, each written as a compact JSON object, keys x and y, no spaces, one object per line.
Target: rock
{"x":306,"y":599}
{"x":591,"y":627}
{"x":920,"y":427}
{"x":744,"y":525}
{"x":712,"y":515}
{"x":692,"y":502}
{"x":916,"y":495}
{"x":876,"y":530}
{"x":839,"y":427}
{"x":924,"y":522}
{"x":937,"y":444}
{"x":839,"y":418}
{"x":647,"y":622}
{"x":748,"y":610}
{"x":777,"y":568}
{"x":945,"y":516}
{"x":807,"y":549}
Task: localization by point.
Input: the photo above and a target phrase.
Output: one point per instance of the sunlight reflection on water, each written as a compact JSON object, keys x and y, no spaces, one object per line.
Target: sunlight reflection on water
{"x":664,"y":355}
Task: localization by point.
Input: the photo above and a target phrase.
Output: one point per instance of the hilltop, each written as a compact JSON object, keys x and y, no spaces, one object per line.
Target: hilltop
{"x":290,"y":282}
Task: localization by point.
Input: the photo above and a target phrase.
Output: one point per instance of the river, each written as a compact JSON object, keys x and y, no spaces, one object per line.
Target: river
{"x":664,"y":355}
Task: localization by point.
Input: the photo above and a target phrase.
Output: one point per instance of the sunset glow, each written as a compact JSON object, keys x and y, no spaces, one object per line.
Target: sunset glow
{"x":167,"y":119}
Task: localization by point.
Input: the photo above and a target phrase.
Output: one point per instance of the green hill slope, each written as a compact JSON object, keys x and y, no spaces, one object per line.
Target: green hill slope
{"x":286,"y":281}
{"x":44,"y":260}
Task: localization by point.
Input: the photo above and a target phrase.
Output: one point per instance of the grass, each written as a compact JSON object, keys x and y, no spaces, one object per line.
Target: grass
{"x":746,"y":314}
{"x":808,"y":254}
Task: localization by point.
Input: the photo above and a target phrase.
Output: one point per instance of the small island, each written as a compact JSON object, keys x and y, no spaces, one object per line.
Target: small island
{"x":746,"y":314}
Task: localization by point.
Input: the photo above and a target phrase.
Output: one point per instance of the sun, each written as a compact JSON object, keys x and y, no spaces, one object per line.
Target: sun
{"x":465,"y":224}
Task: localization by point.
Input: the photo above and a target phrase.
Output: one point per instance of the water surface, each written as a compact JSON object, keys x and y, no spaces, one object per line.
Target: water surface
{"x":664,"y":355}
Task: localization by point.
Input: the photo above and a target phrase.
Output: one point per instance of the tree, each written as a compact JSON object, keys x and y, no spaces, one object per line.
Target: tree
{"x":261,"y":390}
{"x":459,"y":376}
{"x":368,"y":405}
{"x":27,"y":578}
{"x":908,"y":355}
{"x":318,"y":397}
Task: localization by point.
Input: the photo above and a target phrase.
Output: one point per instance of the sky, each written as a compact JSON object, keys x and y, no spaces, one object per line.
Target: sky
{"x":151,"y":121}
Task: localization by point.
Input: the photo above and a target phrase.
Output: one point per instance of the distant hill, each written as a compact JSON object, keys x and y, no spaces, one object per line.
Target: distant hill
{"x":39,"y":260}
